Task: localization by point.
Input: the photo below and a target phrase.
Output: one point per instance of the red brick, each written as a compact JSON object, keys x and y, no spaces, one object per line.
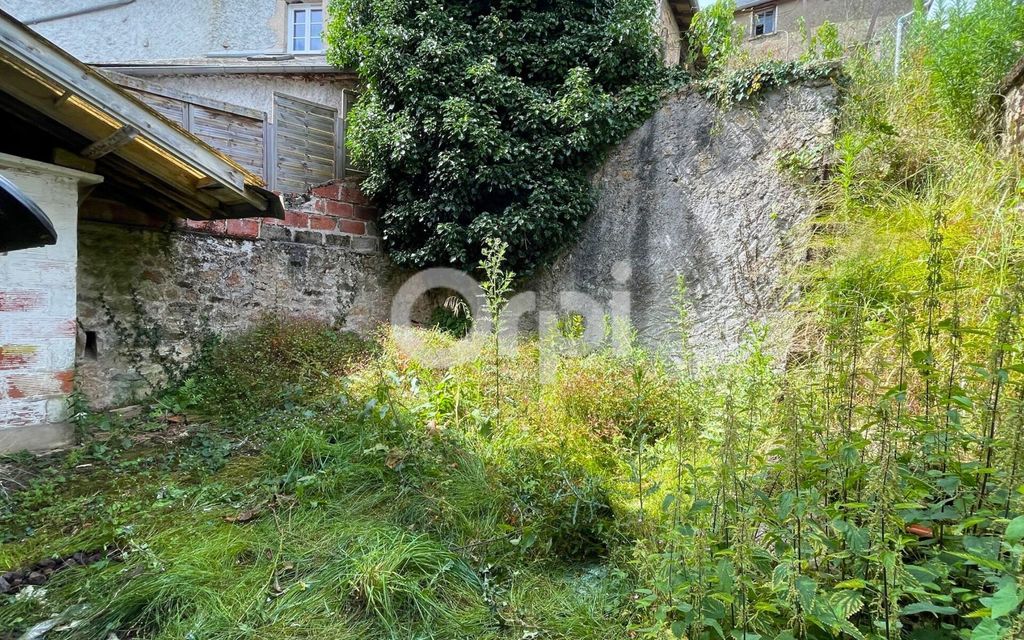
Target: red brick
{"x":16,"y":356}
{"x":364,"y":213}
{"x":277,"y":221}
{"x":330,"y":191}
{"x":296,"y":219}
{"x":352,"y":226}
{"x":217,"y":227}
{"x":66,"y":380}
{"x":322,"y":223}
{"x":244,"y":228}
{"x":350,"y":192}
{"x":336,"y":209}
{"x":22,"y":300}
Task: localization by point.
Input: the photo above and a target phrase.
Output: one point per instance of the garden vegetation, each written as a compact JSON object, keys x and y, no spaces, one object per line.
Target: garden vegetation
{"x":303,"y":483}
{"x":484,"y":119}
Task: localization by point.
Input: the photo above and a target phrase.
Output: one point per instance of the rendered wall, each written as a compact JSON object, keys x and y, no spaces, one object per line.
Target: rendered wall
{"x":859,"y":21}
{"x":37,"y":314}
{"x":722,"y":199}
{"x":159,"y":29}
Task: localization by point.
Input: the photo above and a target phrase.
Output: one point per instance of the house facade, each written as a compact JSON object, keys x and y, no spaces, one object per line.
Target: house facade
{"x":773,"y":29}
{"x":250,"y":78}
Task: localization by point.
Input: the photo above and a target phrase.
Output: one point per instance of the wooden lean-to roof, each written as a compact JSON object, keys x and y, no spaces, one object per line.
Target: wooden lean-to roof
{"x":147,"y":159}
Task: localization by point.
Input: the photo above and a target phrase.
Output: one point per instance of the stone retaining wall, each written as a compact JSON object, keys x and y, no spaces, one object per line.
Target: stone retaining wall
{"x":148,"y":297}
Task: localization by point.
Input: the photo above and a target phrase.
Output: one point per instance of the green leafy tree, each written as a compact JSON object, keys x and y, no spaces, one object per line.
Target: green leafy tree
{"x":484,"y":118}
{"x":714,"y":36}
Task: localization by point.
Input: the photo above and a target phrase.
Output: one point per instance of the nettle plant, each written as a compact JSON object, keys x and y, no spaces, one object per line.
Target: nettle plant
{"x":483,"y":118}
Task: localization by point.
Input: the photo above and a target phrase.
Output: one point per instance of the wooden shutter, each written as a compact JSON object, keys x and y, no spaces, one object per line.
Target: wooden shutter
{"x":238,"y":137}
{"x":306,"y":140}
{"x":237,"y":133}
{"x":170,"y":108}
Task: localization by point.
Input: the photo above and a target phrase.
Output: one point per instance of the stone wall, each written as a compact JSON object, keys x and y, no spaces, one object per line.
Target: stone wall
{"x":724,"y":199}
{"x":1012,"y":121}
{"x":149,"y":297}
{"x":719,"y":198}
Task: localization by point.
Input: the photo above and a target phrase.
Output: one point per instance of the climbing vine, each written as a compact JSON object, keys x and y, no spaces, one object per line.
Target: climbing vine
{"x":483,"y":119}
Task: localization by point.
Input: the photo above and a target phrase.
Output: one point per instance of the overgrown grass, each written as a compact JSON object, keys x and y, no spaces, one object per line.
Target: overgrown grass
{"x":304,"y":483}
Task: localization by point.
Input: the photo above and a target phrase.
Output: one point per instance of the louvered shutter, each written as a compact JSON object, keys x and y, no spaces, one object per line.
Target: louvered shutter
{"x":306,"y":137}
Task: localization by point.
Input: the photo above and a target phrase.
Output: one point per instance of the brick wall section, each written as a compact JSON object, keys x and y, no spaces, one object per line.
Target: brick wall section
{"x":334,"y":214}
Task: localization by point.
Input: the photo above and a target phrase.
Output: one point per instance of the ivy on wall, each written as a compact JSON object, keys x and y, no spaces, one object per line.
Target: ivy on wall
{"x":484,"y":118}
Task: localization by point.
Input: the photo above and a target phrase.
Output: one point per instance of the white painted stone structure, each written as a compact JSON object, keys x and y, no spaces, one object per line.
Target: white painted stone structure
{"x":38,"y":295}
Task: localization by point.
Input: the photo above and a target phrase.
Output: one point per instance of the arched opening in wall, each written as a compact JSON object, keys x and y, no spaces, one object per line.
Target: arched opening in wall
{"x":452,"y":315}
{"x":572,"y":326}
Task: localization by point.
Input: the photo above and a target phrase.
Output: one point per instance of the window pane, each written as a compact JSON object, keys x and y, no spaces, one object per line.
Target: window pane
{"x":316,"y":16}
{"x":300,"y":16}
{"x":315,"y":44}
{"x":315,"y":30}
{"x":298,"y":44}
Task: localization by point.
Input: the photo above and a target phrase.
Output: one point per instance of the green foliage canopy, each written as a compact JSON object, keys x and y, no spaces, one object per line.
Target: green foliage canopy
{"x":715,"y":36}
{"x":483,"y":118}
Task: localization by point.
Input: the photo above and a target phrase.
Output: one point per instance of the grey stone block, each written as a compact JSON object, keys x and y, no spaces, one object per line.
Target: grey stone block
{"x":309,"y":237}
{"x":276,"y":232}
{"x":36,"y":437}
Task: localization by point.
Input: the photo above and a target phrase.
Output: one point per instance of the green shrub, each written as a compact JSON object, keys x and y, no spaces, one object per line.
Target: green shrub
{"x":715,"y":37}
{"x":483,"y":119}
{"x":966,"y":53}
{"x":276,"y":364}
{"x":600,"y":394}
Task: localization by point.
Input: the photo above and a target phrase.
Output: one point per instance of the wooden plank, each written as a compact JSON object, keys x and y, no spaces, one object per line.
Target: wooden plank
{"x":300,"y":105}
{"x":306,"y":121}
{"x":239,"y":137}
{"x":305,"y":142}
{"x":303,"y":166}
{"x":348,"y":101}
{"x":111,"y":143}
{"x":173,"y":110}
{"x":269,"y":153}
{"x":288,"y":143}
{"x":300,"y":137}
{"x":141,"y":85}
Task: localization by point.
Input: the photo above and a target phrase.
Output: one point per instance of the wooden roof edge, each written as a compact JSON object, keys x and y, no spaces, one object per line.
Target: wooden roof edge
{"x":34,"y":55}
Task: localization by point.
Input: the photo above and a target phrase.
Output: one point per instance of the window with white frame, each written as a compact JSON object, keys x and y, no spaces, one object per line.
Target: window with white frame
{"x":764,"y":22}
{"x":305,"y":28}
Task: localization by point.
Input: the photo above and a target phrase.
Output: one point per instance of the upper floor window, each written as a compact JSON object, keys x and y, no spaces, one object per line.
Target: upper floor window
{"x":305,"y":28}
{"x":764,"y":22}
